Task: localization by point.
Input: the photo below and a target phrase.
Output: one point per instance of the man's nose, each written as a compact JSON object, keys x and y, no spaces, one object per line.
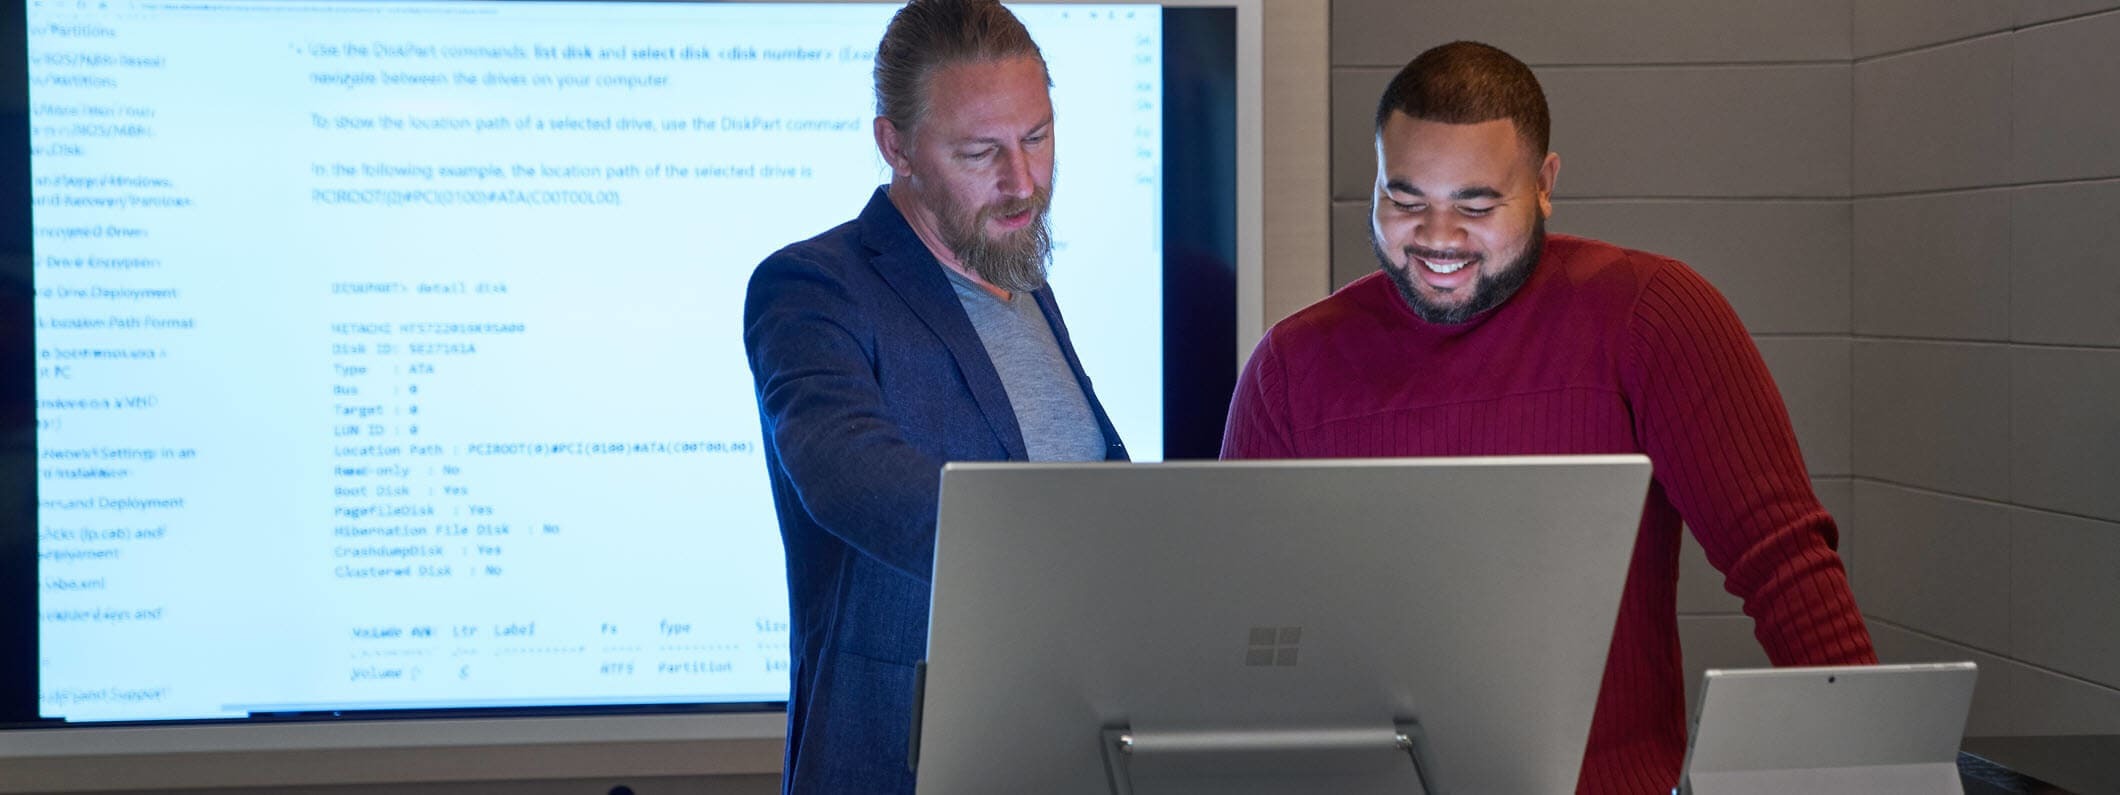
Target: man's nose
{"x":1016,"y":180}
{"x":1439,"y":233}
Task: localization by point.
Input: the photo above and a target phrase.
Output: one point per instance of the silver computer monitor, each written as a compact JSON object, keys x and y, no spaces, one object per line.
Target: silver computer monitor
{"x":1347,"y":626}
{"x":1841,"y":730}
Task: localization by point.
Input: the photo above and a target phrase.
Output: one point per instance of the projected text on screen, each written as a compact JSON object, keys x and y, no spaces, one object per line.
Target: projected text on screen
{"x":388,"y":352}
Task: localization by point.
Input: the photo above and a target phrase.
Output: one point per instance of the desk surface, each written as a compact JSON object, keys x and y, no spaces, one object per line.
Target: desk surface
{"x":2073,"y":765}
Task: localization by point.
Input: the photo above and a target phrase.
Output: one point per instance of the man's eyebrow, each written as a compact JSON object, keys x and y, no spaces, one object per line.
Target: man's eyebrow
{"x":1462,"y":194}
{"x":1043,"y":125}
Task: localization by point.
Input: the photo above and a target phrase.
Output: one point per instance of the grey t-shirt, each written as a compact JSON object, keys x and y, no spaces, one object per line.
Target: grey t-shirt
{"x":1050,"y":408}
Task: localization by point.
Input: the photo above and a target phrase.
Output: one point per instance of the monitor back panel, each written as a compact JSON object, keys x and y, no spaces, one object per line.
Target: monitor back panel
{"x":1476,"y":596}
{"x":1858,"y":729}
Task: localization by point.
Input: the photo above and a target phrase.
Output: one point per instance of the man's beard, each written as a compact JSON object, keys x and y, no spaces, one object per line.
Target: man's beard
{"x":1488,"y":292}
{"x":1014,"y":262}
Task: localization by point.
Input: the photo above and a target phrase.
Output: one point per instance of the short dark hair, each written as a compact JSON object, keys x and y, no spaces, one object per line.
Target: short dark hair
{"x":927,"y":35}
{"x":1466,"y":82}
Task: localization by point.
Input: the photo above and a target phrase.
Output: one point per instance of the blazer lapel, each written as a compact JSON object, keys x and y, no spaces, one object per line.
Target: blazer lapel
{"x":912,"y":271}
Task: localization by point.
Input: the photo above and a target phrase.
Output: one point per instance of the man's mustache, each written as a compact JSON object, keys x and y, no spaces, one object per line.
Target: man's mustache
{"x":1035,"y":203}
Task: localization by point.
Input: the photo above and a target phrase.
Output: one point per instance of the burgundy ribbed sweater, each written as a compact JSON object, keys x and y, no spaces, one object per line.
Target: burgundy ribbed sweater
{"x":1604,"y":350}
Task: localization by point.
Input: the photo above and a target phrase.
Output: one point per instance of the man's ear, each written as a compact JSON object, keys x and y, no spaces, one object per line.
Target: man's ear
{"x":1548,"y":171}
{"x":894,"y":147}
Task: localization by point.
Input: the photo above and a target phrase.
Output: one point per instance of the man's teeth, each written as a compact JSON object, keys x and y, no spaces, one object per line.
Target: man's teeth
{"x":1445,"y":267}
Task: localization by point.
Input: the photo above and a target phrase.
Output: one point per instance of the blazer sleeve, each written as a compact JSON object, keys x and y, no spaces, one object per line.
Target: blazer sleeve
{"x":811,"y":350}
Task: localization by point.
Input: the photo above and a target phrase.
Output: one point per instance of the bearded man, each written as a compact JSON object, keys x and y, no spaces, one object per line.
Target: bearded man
{"x":1482,"y":335}
{"x":918,"y":333}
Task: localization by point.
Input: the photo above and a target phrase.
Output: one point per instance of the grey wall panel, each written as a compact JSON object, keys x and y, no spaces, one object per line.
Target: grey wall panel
{"x":1295,"y":142}
{"x":2065,"y":610}
{"x":1353,"y":257}
{"x":1813,"y":374}
{"x":1700,"y":586}
{"x":2031,"y":12}
{"x":1712,"y":131}
{"x":2044,"y":703}
{"x":1948,"y":570}
{"x":1933,"y":415}
{"x":2065,"y":430}
{"x":1779,"y":131}
{"x":1882,"y":26}
{"x":1354,"y":109}
{"x":1934,"y":118}
{"x":1935,"y":266}
{"x":1392,"y":32}
{"x":2066,"y":76}
{"x":1783,"y":264}
{"x":1993,"y":713}
{"x":2065,"y":264}
{"x":1968,"y":124}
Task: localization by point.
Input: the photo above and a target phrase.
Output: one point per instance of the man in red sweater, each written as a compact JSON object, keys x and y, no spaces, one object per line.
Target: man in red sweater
{"x":1481,"y":335}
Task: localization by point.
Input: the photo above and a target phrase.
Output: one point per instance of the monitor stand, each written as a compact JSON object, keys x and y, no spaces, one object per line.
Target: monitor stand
{"x":1381,"y":759}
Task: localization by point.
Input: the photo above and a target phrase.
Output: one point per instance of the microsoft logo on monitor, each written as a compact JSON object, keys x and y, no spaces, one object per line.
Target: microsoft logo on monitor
{"x":1273,"y":646}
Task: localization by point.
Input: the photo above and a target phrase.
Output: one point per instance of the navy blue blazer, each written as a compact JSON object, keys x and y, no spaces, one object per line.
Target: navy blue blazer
{"x":869,"y":376}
